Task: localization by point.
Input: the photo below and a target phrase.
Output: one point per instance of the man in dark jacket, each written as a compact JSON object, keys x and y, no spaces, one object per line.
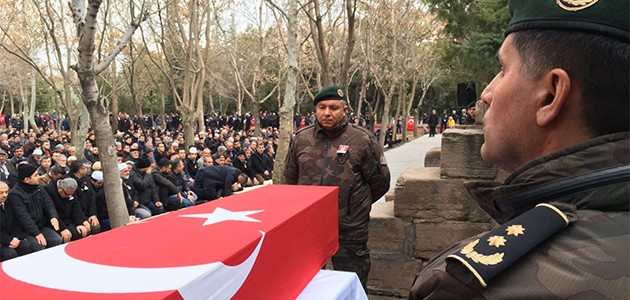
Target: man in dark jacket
{"x":433,"y":121}
{"x":558,"y":118}
{"x":72,"y":222}
{"x":217,"y":181}
{"x":10,"y":245}
{"x":34,"y":212}
{"x":169,"y":193}
{"x":7,"y":170}
{"x":336,"y":153}
{"x":80,"y":171}
{"x":142,"y":181}
{"x":258,"y":164}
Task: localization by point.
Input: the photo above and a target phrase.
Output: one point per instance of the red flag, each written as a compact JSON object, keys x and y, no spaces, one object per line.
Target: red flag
{"x":263,"y":244}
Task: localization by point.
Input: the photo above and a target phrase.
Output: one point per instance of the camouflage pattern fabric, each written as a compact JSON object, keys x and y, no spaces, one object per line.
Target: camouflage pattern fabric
{"x":353,"y":257}
{"x":587,"y":260}
{"x":348,"y":157}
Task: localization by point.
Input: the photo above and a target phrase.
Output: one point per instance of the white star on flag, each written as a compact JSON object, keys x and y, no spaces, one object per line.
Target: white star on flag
{"x":222,"y":215}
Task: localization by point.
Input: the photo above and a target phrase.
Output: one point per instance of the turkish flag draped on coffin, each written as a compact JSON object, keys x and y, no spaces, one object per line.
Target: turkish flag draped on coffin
{"x":263,"y":244}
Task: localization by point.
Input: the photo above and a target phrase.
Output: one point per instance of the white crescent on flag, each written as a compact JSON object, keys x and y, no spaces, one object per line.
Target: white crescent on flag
{"x":208,"y":281}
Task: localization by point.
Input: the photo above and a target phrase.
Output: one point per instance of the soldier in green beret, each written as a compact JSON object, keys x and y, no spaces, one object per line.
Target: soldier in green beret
{"x":333,"y":152}
{"x":558,"y":119}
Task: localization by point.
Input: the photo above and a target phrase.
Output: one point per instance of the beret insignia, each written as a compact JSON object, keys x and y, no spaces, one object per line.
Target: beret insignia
{"x":575,"y":5}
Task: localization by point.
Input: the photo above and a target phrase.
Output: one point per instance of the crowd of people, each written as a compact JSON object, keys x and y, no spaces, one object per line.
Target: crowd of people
{"x":50,"y":195}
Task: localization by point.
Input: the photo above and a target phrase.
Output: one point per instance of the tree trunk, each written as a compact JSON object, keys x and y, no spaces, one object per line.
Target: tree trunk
{"x":362,"y":93}
{"x":116,"y":206}
{"x":188,"y":121}
{"x":114,"y":98}
{"x":33,"y":103}
{"x":418,"y":121}
{"x":401,"y":102}
{"x":201,"y":124}
{"x":351,"y":6}
{"x":256,"y":115}
{"x":320,"y":45}
{"x":163,"y":106}
{"x":78,"y":140}
{"x":24,"y":105}
{"x":386,"y":118}
{"x":12,"y":105}
{"x":288,"y":105}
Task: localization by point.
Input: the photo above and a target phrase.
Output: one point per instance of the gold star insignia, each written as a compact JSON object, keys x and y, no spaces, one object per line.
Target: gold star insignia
{"x":515,"y":230}
{"x":496,"y":241}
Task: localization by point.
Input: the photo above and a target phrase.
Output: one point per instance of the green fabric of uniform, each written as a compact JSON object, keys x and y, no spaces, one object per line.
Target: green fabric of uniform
{"x":603,"y":17}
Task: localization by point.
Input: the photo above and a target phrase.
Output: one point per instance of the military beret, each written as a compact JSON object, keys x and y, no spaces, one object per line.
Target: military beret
{"x":332,"y":92}
{"x":603,"y":17}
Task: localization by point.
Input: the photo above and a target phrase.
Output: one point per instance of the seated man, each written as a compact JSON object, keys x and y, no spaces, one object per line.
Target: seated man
{"x":258,"y":164}
{"x":10,"y":245}
{"x":34,"y":212}
{"x":142,"y":181}
{"x":135,"y":210}
{"x":167,"y":190}
{"x":80,"y":171}
{"x":72,"y":222}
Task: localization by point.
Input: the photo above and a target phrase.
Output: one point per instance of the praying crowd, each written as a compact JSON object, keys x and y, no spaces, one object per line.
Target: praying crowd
{"x":50,"y":195}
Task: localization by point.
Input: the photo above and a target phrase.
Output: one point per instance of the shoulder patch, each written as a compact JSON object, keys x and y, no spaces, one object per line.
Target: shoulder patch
{"x":494,"y":252}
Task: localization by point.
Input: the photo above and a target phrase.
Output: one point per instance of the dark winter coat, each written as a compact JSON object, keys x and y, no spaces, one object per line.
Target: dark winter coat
{"x":32,"y":209}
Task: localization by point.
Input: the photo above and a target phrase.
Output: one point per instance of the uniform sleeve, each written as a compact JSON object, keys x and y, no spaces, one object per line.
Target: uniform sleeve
{"x":453,"y":283}
{"x":290,"y":175}
{"x":375,"y":171}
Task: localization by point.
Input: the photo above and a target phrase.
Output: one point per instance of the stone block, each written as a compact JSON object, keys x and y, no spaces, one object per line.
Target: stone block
{"x":388,"y":234}
{"x":423,"y":195}
{"x":392,"y":274}
{"x":431,"y":238}
{"x":390,"y":196}
{"x":432,"y":158}
{"x":461,"y":157}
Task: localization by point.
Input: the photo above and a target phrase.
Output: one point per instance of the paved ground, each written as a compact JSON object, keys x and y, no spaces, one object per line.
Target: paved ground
{"x":409,"y":155}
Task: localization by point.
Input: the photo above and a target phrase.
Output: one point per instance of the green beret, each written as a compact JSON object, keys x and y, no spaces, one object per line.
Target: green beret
{"x":604,"y":17}
{"x":332,"y":92}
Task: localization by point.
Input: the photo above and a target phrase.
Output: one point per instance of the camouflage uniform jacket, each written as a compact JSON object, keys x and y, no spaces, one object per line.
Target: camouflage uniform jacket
{"x":589,"y":259}
{"x":348,"y":157}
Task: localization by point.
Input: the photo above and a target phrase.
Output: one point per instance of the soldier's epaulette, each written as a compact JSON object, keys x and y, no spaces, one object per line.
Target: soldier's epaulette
{"x":304,"y":129}
{"x":494,"y":252}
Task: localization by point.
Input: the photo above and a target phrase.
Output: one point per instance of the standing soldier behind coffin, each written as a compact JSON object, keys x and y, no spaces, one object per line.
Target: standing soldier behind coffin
{"x":333,"y":152}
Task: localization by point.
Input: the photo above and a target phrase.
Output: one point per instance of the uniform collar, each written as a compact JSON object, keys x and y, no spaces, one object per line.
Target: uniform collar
{"x":331,"y":133}
{"x":599,"y":153}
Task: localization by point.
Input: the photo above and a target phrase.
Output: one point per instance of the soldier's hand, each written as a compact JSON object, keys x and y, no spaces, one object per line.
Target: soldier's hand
{"x":66,"y":235}
{"x":55,"y":224}
{"x":15,"y":242}
{"x":41,"y":240}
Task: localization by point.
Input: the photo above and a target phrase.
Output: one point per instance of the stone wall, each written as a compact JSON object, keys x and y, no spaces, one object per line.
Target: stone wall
{"x":428,"y":210}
